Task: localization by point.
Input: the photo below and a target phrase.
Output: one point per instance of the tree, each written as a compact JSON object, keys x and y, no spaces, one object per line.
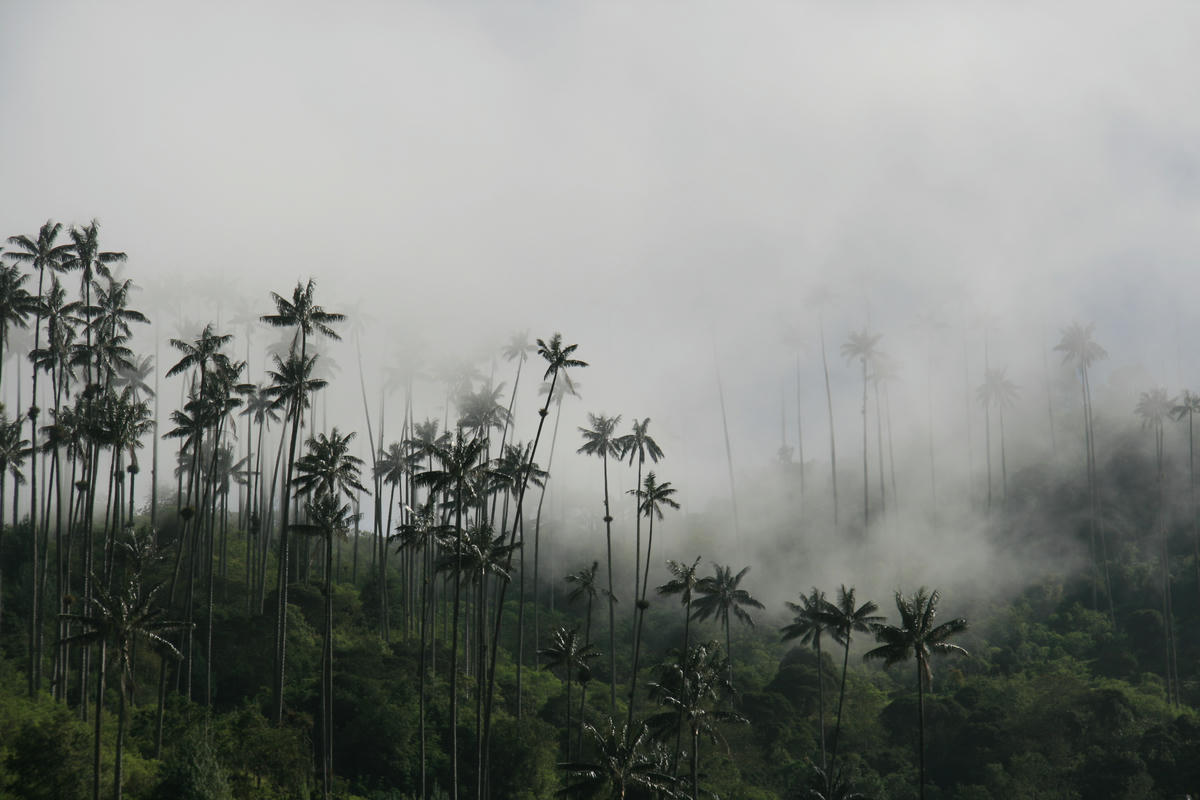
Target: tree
{"x":653,"y":497}
{"x":863,"y":346}
{"x":16,"y":303}
{"x":917,"y":638}
{"x":691,"y":690}
{"x":120,"y":620}
{"x":639,"y":445}
{"x":13,"y":450}
{"x":328,"y":518}
{"x":308,"y":318}
{"x":843,"y":619}
{"x":625,"y":760}
{"x":568,"y":653}
{"x":1154,"y":407}
{"x":720,"y":593}
{"x":1079,"y":348}
{"x":599,"y":440}
{"x":1186,"y":407}
{"x":997,"y":392}
{"x":810,"y":623}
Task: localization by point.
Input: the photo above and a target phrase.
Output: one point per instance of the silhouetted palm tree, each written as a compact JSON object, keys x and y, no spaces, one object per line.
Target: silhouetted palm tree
{"x":819,"y":298}
{"x":721,"y":593}
{"x":692,"y":689}
{"x":1154,"y":407}
{"x":599,"y":440}
{"x":843,"y":619}
{"x":626,"y":761}
{"x":916,"y":637}
{"x":863,"y":347}
{"x":13,"y":450}
{"x":810,"y":623}
{"x":569,"y":654}
{"x":997,"y":392}
{"x":639,"y":445}
{"x":1186,"y":407}
{"x":1079,"y":348}
{"x":653,"y":497}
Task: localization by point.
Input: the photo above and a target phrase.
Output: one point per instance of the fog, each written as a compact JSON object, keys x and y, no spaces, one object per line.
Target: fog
{"x":670,"y":190}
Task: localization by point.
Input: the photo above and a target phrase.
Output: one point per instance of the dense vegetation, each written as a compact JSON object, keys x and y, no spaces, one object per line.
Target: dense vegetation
{"x":293,"y":621}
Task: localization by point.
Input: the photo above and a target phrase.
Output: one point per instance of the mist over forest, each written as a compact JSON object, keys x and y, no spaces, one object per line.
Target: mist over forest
{"x":900,"y":294}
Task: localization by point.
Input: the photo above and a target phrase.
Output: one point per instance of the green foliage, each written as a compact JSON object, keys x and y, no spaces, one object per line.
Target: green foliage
{"x":192,"y":770}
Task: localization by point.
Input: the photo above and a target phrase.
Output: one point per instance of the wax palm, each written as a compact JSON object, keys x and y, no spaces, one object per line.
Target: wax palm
{"x":843,"y":620}
{"x":996,"y":392}
{"x":863,"y":347}
{"x":1186,"y":407}
{"x":13,"y":451}
{"x":16,"y":303}
{"x":568,"y":653}
{"x":625,"y":761}
{"x":120,"y":620}
{"x":586,"y":587}
{"x":481,"y":411}
{"x":328,"y":517}
{"x":328,"y":468}
{"x":1154,"y":407}
{"x":639,"y":445}
{"x":811,"y":622}
{"x":1081,"y":350}
{"x":721,"y":593}
{"x":692,"y":689}
{"x":459,"y":464}
{"x":917,"y":638}
{"x":600,"y":440}
{"x":652,"y":497}
{"x":517,"y":349}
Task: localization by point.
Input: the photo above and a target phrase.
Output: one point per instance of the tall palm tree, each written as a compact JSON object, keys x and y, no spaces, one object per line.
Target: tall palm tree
{"x":1079,"y":348}
{"x":691,"y":689}
{"x":600,"y":440}
{"x":1186,"y":407}
{"x":653,"y":497}
{"x":639,"y":445}
{"x":721,"y":593}
{"x":568,"y":653}
{"x":517,"y":349}
{"x":626,"y":762}
{"x":918,"y":638}
{"x":586,"y":586}
{"x":302,"y":313}
{"x":819,"y":298}
{"x":843,"y":619}
{"x":13,"y":450}
{"x":328,"y":517}
{"x":1154,"y":407}
{"x":459,"y":469}
{"x":997,"y":392}
{"x":863,"y":346}
{"x":810,"y":623}
{"x":16,"y":303}
{"x":120,"y":620}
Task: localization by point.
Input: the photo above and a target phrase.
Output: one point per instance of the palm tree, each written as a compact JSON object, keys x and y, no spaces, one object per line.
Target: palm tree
{"x":1078,"y":347}
{"x":639,"y":445}
{"x":517,"y":349}
{"x":15,"y":303}
{"x":1187,"y":406}
{"x":625,"y":761}
{"x":328,"y":518}
{"x":1154,"y":407}
{"x":120,"y":620}
{"x":653,"y":497}
{"x":721,"y":594}
{"x":585,"y":587}
{"x":842,"y":620}
{"x":917,"y":638}
{"x":862,"y":345}
{"x":998,"y":392}
{"x":568,"y":653}
{"x":308,"y":318}
{"x":691,"y":689}
{"x":459,"y":469}
{"x":810,"y":623}
{"x":819,"y":298}
{"x":13,"y":450}
{"x":599,"y":440}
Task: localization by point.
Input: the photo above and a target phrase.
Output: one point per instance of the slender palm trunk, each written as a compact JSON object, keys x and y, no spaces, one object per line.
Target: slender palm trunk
{"x":820,"y":699}
{"x":832,"y":442}
{"x":737,"y":531}
{"x":921,"y":727}
{"x":866,"y":480}
{"x":837,"y":728}
{"x":612,"y":626}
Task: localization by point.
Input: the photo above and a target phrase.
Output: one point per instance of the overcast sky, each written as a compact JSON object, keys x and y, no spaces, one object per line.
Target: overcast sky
{"x":665,"y":183}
